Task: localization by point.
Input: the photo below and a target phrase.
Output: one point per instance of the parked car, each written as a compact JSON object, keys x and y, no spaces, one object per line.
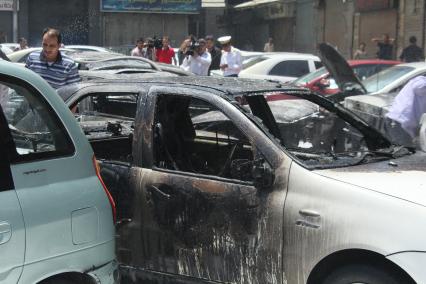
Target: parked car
{"x":56,"y":215}
{"x":394,"y":79}
{"x":10,"y":45}
{"x":89,"y":48}
{"x":6,"y":49}
{"x":320,"y":80}
{"x":213,"y":189}
{"x":283,"y":67}
{"x":20,"y":56}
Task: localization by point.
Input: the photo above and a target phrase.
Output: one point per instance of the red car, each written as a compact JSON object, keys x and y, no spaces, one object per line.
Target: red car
{"x":320,"y":80}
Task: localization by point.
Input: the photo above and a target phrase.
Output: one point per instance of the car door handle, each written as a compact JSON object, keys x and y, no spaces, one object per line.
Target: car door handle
{"x":5,"y":232}
{"x":309,"y":213}
{"x":156,"y":191}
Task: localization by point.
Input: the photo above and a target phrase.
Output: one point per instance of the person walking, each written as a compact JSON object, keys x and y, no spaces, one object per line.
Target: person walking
{"x":231,"y":61}
{"x":385,"y":45}
{"x":269,"y":46}
{"x":166,"y":54}
{"x":361,"y":53}
{"x":215,"y":53}
{"x":199,"y":61}
{"x":413,"y":52}
{"x":57,"y":69}
{"x":138,"y":50}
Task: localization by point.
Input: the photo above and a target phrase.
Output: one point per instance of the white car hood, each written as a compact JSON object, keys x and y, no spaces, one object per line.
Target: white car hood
{"x":406,"y":179}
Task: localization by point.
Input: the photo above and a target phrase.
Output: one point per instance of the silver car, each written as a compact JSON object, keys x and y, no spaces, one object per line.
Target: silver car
{"x":56,"y":215}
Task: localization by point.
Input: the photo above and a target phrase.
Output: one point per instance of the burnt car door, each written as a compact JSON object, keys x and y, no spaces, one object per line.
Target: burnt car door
{"x":208,"y":204}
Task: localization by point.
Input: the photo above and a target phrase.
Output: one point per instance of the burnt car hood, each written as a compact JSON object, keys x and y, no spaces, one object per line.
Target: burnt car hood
{"x":403,"y":178}
{"x":339,"y":68}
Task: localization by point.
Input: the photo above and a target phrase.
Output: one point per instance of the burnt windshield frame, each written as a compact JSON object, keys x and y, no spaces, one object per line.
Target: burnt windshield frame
{"x":53,"y":121}
{"x":375,"y":140}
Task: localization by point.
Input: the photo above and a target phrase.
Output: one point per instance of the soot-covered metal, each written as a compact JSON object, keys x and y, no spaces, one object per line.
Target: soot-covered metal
{"x":216,"y":181}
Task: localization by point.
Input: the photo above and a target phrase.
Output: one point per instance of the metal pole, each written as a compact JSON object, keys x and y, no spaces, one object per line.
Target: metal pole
{"x":15,"y":20}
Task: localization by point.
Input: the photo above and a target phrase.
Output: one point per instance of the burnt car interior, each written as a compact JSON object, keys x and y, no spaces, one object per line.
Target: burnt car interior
{"x":107,"y":119}
{"x":193,"y":136}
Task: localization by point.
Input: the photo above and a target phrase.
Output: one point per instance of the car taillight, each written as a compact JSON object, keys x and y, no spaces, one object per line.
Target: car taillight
{"x":111,"y":200}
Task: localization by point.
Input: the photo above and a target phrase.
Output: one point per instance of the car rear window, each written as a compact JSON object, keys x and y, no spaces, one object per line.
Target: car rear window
{"x":36,"y":130}
{"x":290,"y":68}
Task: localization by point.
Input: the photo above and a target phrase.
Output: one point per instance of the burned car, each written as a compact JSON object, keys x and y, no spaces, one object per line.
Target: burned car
{"x":216,"y":183}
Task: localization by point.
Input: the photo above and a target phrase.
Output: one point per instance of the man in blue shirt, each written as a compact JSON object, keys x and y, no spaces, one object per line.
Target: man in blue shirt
{"x":57,"y":69}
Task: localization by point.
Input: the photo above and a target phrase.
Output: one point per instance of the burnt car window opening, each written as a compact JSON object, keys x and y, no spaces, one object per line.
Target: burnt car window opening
{"x":36,"y":130}
{"x":107,"y":119}
{"x":318,"y":137}
{"x":192,"y":135}
{"x":120,"y":104}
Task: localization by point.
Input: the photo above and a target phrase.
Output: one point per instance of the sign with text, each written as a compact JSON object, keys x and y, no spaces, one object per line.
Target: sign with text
{"x":6,"y":5}
{"x":165,"y":6}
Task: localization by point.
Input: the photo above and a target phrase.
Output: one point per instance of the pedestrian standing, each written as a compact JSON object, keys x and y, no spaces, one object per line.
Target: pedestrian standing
{"x":402,"y":120}
{"x":22,"y":44}
{"x":149,"y":50}
{"x":183,"y":48}
{"x":361,"y":53}
{"x":166,"y":54}
{"x":57,"y":69}
{"x":385,"y":45}
{"x":198,"y":60}
{"x":231,"y":61}
{"x":215,"y":53}
{"x":138,"y":50}
{"x":413,"y":52}
{"x":269,"y":46}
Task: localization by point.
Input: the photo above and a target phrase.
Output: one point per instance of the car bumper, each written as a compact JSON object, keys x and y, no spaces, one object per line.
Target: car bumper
{"x":106,"y":274}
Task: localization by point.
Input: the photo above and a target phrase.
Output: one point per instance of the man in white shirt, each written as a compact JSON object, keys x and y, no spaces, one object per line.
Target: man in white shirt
{"x":404,"y":115}
{"x":231,"y":61}
{"x":198,"y":60}
{"x":138,"y":50}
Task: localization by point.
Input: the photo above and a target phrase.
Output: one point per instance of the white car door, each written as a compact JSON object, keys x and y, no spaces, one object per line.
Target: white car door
{"x":12,"y":229}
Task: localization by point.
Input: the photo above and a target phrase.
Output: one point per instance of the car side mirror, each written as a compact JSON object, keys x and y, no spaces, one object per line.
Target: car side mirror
{"x":262,"y":173}
{"x":258,"y":171}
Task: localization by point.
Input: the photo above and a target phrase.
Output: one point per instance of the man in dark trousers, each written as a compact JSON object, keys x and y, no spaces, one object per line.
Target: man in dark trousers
{"x":413,"y":52}
{"x":215,"y":53}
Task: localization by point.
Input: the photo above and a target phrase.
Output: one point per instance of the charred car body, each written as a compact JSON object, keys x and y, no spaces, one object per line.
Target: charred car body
{"x":213,"y":183}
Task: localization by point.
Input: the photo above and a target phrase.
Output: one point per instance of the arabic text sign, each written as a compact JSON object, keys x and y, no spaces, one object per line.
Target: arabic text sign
{"x":190,"y":6}
{"x":6,"y":5}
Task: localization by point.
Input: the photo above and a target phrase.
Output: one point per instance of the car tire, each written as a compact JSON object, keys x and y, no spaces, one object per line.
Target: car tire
{"x":362,"y":273}
{"x":59,"y":281}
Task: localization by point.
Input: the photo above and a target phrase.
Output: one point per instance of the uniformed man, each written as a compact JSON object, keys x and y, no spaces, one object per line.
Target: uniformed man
{"x":231,"y":61}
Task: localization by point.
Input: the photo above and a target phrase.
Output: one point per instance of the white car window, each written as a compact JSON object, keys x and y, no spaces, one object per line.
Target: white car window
{"x":290,"y":68}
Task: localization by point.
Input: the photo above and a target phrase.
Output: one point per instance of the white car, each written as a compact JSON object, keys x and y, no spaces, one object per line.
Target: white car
{"x":394,"y":78}
{"x":282,"y":66}
{"x":6,"y":49}
{"x":20,"y":56}
{"x":88,"y":48}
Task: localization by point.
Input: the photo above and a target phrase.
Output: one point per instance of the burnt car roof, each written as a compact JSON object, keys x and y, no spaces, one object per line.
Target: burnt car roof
{"x":230,"y":86}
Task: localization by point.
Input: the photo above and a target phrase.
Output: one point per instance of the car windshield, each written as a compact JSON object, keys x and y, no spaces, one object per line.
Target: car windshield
{"x":382,"y":79}
{"x":311,"y":76}
{"x":252,"y":61}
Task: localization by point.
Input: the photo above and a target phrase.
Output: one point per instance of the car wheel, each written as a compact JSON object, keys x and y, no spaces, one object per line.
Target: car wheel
{"x":58,"y":281}
{"x":360,"y":274}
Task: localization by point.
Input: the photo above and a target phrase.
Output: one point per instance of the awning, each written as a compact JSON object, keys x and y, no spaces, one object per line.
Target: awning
{"x":213,"y":4}
{"x":254,"y":3}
